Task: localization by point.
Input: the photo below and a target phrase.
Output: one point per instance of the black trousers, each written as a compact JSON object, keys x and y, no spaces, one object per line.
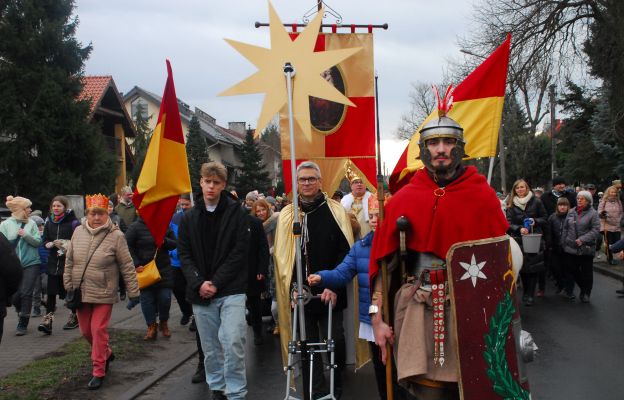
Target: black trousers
{"x":556,"y":267}
{"x":529,"y":282}
{"x":55,"y":287}
{"x":316,"y":330}
{"x":254,"y":306}
{"x":179,"y":291}
{"x":200,"y":351}
{"x":579,"y":269}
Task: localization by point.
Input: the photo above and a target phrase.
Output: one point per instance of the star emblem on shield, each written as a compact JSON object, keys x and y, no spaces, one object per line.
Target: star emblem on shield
{"x":473,"y":270}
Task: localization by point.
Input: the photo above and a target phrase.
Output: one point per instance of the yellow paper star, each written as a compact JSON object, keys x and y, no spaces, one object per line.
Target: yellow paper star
{"x":309,"y":65}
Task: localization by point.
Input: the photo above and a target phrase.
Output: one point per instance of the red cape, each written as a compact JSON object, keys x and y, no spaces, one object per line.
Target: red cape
{"x":468,"y":210}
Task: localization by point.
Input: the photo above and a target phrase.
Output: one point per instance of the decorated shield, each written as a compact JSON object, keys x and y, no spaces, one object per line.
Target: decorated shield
{"x":485,"y":311}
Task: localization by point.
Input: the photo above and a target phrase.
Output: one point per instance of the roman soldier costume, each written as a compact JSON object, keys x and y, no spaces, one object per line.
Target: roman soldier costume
{"x":442,"y":211}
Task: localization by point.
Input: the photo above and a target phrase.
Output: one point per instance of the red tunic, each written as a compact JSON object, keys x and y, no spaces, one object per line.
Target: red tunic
{"x":466,"y":209}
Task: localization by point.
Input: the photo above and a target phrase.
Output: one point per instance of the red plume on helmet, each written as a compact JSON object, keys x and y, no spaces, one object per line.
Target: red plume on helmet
{"x":446,"y":103}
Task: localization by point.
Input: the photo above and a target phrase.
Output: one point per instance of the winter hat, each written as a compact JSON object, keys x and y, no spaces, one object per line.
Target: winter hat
{"x":38,"y":220}
{"x":18,"y":206}
{"x":252,"y":195}
{"x":557,"y":180}
{"x":585,"y":194}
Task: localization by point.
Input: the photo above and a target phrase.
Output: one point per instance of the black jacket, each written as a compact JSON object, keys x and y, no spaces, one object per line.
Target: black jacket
{"x":10,"y":273}
{"x":555,"y":231}
{"x":61,"y":230}
{"x":327,"y":247}
{"x":534,"y":209}
{"x":142,"y":248}
{"x":258,"y":256}
{"x":213,"y":246}
{"x":516,"y":216}
{"x":550,"y":201}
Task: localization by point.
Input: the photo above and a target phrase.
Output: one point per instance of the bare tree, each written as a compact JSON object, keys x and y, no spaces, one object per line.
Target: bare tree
{"x":422,"y":103}
{"x":546,"y":47}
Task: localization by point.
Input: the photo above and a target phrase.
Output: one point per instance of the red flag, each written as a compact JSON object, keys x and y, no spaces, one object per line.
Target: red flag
{"x":478,"y":108}
{"x":165,"y":175}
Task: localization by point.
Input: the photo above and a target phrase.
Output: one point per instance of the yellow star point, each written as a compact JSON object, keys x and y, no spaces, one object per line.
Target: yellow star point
{"x":309,"y":65}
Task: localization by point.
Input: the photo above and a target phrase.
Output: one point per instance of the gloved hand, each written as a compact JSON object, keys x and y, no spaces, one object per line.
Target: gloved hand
{"x":132,"y":301}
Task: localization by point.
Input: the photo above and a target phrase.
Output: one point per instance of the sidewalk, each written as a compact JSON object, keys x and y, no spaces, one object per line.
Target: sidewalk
{"x":613,"y":271}
{"x":17,"y":351}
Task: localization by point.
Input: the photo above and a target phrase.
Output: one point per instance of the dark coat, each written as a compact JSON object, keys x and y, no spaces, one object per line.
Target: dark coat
{"x":516,"y":216}
{"x":327,"y":247}
{"x":10,"y":273}
{"x":116,"y":219}
{"x":142,"y":248}
{"x":555,"y":231}
{"x":52,"y":231}
{"x":533,"y":262}
{"x":550,"y":201}
{"x":224,"y":260}
{"x":258,"y":256}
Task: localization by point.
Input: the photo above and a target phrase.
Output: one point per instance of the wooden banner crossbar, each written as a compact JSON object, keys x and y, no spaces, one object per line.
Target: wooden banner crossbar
{"x":334,"y":27}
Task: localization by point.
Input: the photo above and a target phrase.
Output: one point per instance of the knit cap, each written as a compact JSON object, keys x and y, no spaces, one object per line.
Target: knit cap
{"x":38,"y":220}
{"x":18,"y":206}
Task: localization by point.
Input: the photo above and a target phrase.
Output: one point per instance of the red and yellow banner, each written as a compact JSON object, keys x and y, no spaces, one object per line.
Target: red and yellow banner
{"x":165,"y":175}
{"x":339,"y":133}
{"x":477,"y":107}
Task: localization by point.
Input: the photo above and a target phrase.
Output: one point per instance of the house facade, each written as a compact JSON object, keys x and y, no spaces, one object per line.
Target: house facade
{"x":108,"y":111}
{"x":222,"y":143}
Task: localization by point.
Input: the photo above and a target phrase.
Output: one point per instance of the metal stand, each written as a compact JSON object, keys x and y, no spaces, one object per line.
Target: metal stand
{"x":299,"y":344}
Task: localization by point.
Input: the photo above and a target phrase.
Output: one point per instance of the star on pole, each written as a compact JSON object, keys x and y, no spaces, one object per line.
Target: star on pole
{"x":473,"y":271}
{"x":309,"y":65}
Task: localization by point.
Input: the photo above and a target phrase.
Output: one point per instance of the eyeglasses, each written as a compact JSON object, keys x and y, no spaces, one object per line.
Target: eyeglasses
{"x":310,"y":180}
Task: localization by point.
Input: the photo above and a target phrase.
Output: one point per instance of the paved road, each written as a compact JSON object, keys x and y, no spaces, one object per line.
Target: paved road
{"x":264,"y":378}
{"x":581,"y":355}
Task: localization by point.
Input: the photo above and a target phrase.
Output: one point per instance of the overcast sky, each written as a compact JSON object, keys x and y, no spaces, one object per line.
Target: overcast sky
{"x":132,"y":39}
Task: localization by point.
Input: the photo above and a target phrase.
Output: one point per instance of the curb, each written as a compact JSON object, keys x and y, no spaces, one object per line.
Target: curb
{"x":610,"y":272}
{"x":145,"y":384}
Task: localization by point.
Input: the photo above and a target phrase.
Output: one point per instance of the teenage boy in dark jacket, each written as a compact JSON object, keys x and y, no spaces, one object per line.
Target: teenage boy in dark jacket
{"x":213,"y":240}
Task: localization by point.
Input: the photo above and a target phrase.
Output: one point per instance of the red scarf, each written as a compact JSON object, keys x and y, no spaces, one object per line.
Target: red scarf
{"x":59,"y":217}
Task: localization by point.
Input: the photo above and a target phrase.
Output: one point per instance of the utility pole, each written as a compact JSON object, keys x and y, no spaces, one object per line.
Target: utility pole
{"x":501,"y":159}
{"x":553,"y":121}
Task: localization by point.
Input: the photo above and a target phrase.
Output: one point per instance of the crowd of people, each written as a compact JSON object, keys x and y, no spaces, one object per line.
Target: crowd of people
{"x":574,"y":225}
{"x":229,"y":263}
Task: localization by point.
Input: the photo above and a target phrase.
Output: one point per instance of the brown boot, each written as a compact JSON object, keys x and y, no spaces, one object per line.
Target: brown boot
{"x":152,"y":332}
{"x":164,"y":328}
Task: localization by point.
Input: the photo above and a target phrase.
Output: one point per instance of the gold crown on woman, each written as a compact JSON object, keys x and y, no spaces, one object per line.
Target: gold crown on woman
{"x":96,"y":201}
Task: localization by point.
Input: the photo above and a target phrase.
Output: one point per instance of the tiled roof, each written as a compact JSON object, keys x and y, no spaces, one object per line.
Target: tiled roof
{"x":94,"y":88}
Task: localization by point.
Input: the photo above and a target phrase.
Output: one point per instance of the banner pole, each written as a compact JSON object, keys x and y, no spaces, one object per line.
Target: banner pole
{"x":384,"y":264}
{"x":289,"y":72}
{"x":490,"y":170}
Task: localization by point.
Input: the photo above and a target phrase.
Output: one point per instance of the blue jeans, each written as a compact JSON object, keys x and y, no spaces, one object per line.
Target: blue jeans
{"x":222,"y":330}
{"x":155,"y":300}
